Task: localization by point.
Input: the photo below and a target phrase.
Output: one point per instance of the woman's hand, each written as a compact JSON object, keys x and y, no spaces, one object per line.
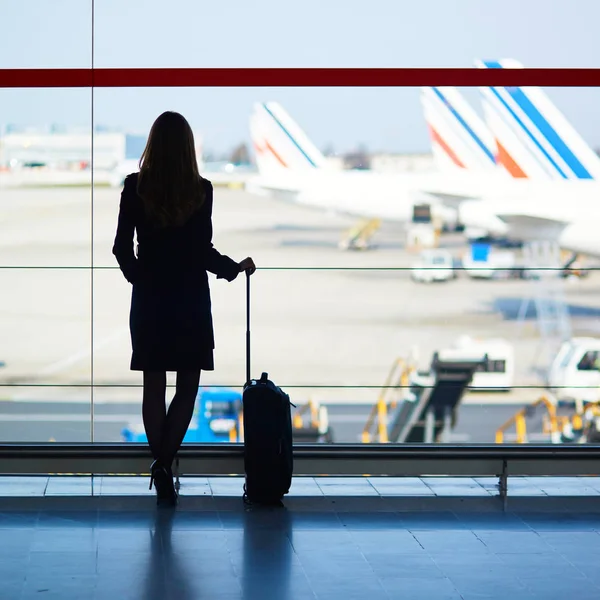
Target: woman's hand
{"x":247,"y":265}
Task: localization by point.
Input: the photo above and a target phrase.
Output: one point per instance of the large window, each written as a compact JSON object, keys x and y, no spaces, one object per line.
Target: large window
{"x":390,"y":225}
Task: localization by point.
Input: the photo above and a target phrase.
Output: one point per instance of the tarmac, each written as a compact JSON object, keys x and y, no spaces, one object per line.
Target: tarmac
{"x":326,"y":323}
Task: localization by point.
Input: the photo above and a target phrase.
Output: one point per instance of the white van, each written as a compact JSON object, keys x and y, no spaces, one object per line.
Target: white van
{"x":433,"y":265}
{"x":574,"y":375}
{"x":498,"y":372}
{"x":498,"y":264}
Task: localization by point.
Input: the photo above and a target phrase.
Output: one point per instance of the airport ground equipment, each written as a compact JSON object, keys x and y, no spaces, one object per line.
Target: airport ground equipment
{"x":310,"y":423}
{"x":428,"y":411}
{"x":420,"y":236}
{"x":550,"y":424}
{"x":433,"y":265}
{"x":573,"y":265}
{"x":583,"y":427}
{"x":542,"y":266}
{"x":574,"y":374}
{"x":395,"y":387}
{"x":218,"y":417}
{"x":215,"y":418}
{"x":482,"y":261}
{"x":423,"y":231}
{"x":497,"y":373}
{"x":559,"y":425}
{"x":359,"y":237}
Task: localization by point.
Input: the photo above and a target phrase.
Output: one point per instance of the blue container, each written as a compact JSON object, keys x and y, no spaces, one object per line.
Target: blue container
{"x":215,"y":413}
{"x":480,"y":252}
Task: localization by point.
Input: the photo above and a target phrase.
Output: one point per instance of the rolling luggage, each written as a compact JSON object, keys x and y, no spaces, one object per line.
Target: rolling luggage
{"x":268,"y":455}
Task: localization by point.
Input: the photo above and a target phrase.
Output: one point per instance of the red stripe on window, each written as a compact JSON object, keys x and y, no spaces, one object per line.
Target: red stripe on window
{"x":260,"y":77}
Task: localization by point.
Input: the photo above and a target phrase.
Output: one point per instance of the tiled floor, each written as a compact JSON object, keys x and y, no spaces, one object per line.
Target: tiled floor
{"x":421,"y":487}
{"x":324,"y":545}
{"x":297,"y":554}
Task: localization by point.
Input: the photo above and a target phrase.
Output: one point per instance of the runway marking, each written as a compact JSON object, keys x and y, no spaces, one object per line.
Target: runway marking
{"x":64,"y":363}
{"x":69,"y":361}
{"x":104,"y":401}
{"x":348,"y":418}
{"x":28,"y":417}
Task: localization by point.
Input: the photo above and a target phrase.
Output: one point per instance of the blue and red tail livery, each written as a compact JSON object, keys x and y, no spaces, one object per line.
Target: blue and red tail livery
{"x":459,"y":137}
{"x":279,"y":142}
{"x":533,"y":138}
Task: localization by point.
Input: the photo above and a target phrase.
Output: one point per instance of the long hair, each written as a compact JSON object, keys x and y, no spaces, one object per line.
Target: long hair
{"x":169,"y":182}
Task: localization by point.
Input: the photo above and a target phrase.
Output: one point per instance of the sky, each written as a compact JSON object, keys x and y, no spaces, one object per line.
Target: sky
{"x":273,"y":33}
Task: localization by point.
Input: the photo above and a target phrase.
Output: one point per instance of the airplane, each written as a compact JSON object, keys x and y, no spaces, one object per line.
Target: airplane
{"x":460,"y":140}
{"x":554,"y":171}
{"x":547,"y":184}
{"x":464,"y":149}
{"x":290,"y":166}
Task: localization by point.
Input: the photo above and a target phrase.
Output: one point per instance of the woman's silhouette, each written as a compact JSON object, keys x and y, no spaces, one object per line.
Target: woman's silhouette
{"x":169,"y":206}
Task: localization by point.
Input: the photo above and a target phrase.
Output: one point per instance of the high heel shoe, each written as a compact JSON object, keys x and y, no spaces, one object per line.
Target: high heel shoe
{"x":162,"y":479}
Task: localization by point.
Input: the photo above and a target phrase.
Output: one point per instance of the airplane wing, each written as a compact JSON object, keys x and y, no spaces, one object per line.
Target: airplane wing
{"x":281,"y":188}
{"x":533,"y":227}
{"x":530,"y":220}
{"x":449,"y":199}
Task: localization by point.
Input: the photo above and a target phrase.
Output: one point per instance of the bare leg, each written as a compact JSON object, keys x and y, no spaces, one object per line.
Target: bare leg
{"x":179,"y":414}
{"x":154,"y":409}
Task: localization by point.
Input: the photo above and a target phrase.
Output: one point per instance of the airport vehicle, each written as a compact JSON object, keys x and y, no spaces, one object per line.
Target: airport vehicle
{"x":215,"y":418}
{"x":574,"y":375}
{"x":433,"y":265}
{"x":291,"y":167}
{"x":497,"y":372}
{"x":484,"y":262}
{"x":583,"y":427}
{"x":543,"y":161}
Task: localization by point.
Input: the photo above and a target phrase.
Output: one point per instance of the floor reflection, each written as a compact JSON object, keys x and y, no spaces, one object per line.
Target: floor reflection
{"x":267,"y":554}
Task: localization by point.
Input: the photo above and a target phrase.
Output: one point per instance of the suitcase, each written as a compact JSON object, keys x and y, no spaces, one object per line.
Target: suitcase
{"x":268,"y":452}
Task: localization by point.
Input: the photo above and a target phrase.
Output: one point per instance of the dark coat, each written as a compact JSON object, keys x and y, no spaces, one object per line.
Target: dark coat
{"x":170,"y":318}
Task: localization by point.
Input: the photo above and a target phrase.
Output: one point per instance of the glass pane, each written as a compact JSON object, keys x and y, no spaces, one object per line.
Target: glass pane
{"x":45,"y":260}
{"x":45,"y":176}
{"x":42,"y":35}
{"x":377,"y":34}
{"x":45,"y":328}
{"x":365,"y":264}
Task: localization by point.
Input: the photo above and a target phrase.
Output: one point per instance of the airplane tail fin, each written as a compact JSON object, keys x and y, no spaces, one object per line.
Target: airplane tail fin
{"x":533,"y":138}
{"x":460,"y":139}
{"x":279,"y":143}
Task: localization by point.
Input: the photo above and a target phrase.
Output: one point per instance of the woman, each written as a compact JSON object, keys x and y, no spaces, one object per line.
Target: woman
{"x":169,"y":206}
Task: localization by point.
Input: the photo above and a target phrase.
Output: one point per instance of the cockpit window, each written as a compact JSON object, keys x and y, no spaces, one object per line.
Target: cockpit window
{"x":589,"y":361}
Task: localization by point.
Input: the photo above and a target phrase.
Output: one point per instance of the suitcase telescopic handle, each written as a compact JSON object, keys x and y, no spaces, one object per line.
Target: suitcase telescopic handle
{"x":247,"y":326}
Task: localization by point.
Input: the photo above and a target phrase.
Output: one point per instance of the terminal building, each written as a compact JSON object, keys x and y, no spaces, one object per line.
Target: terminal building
{"x":66,"y":149}
{"x":59,"y":155}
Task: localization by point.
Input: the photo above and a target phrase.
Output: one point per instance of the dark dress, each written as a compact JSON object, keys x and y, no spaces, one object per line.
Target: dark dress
{"x":170,"y":318}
